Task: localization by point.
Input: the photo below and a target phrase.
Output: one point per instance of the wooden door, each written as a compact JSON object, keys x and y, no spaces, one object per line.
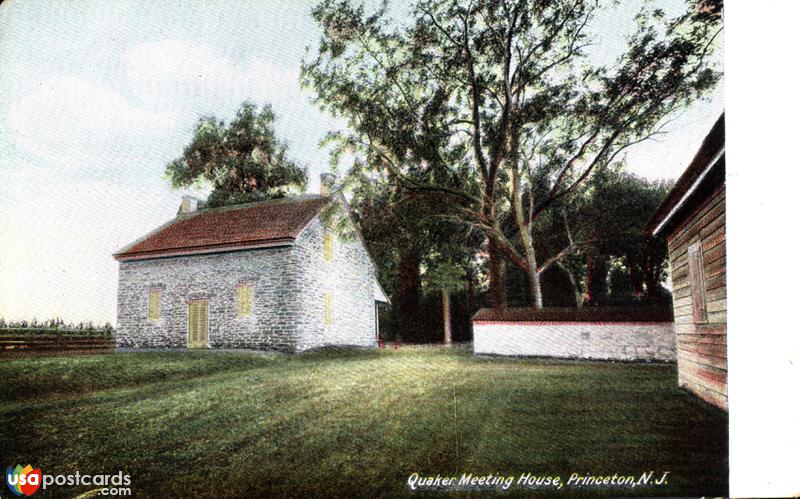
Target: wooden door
{"x":198,"y":324}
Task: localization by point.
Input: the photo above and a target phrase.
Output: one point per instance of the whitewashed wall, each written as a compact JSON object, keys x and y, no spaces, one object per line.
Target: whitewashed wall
{"x":577,"y":340}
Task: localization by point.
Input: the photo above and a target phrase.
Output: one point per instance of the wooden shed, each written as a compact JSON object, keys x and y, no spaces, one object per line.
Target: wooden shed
{"x":692,"y":219}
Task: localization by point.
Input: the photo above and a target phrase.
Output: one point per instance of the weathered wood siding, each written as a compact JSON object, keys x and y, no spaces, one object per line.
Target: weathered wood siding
{"x":702,"y":343}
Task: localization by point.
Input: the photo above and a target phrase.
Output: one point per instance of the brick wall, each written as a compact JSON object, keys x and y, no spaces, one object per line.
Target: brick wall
{"x":652,"y":341}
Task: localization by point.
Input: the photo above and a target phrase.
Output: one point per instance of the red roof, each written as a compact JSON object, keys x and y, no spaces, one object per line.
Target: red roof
{"x":642,"y":313}
{"x":251,"y":225}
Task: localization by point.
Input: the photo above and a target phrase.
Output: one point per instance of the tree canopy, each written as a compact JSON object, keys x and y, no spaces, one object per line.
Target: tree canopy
{"x":607,"y":222}
{"x":495,"y":107}
{"x":242,"y":161}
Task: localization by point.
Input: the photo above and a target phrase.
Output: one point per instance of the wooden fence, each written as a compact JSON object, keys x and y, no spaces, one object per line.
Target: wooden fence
{"x":38,"y":345}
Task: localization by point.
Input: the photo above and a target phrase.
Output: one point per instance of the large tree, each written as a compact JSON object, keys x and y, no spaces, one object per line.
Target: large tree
{"x":497,"y":108}
{"x":241,"y":161}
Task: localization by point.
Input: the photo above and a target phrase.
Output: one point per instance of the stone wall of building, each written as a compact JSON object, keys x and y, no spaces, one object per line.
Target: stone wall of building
{"x":213,"y":277}
{"x":349,"y":279}
{"x":289,"y":286}
{"x":653,"y":341}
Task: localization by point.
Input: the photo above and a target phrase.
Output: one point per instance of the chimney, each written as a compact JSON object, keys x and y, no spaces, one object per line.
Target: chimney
{"x":188,"y":204}
{"x":326,"y":183}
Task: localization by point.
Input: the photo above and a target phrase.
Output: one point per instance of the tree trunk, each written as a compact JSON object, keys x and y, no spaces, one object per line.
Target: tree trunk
{"x":471,"y":306}
{"x":587,"y":295}
{"x":408,"y":298}
{"x":573,"y":280}
{"x":498,"y":294}
{"x":448,"y":333}
{"x":636,"y":275}
{"x":651,"y":276}
{"x":534,"y":279}
{"x":596,"y":273}
{"x":524,"y":227}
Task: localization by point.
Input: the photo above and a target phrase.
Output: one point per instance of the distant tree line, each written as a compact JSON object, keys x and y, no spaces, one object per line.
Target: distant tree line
{"x":54,"y":326}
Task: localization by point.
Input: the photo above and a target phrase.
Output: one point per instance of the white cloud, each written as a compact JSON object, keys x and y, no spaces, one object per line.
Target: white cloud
{"x":196,"y":77}
{"x":70,"y":119}
{"x":159,"y":70}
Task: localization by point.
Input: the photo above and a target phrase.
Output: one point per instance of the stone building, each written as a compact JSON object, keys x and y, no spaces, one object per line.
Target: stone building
{"x":288,"y":274}
{"x":692,"y":220}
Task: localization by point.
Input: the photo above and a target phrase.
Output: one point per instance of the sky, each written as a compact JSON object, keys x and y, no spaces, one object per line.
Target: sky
{"x":97,"y":97}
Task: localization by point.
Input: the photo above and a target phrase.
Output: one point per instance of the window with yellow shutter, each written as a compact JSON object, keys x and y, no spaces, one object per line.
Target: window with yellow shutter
{"x":328,"y":301}
{"x":327,"y":239}
{"x":244,"y":300}
{"x":154,"y":304}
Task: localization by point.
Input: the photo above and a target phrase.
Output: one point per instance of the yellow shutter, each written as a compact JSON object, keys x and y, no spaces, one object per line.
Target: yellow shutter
{"x":193,"y":322}
{"x":328,"y":301}
{"x":328,"y":242}
{"x":202,"y":330}
{"x":244,"y":300}
{"x":198,"y":324}
{"x":154,"y":304}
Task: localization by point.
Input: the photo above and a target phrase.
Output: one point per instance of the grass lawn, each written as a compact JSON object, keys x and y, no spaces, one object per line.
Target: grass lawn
{"x":353,"y":423}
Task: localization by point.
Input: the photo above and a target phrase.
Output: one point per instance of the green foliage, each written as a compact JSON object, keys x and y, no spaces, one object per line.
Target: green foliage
{"x":334,"y":217}
{"x":619,"y":206}
{"x":409,"y":90}
{"x":619,"y":280}
{"x":605,"y":221}
{"x":412,"y":238}
{"x":445,"y":275}
{"x":243,"y":161}
{"x":396,"y":221}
